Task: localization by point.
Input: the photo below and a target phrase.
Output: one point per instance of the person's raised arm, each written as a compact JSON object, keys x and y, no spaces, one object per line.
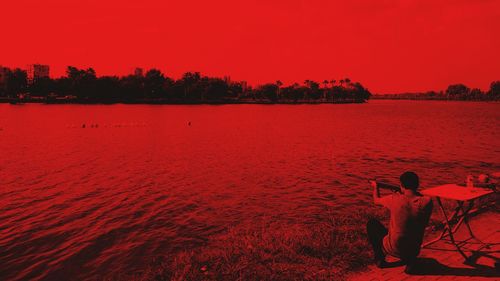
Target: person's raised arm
{"x":495,"y":175}
{"x":377,"y":199}
{"x":376,"y":192}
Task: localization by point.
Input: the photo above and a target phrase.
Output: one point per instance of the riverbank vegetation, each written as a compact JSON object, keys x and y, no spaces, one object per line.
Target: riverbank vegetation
{"x":332,"y":248}
{"x":327,"y":250}
{"x":84,"y":86}
{"x":453,"y":92}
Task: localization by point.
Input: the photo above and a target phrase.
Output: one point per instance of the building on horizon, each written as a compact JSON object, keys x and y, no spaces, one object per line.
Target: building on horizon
{"x":3,"y":74}
{"x":37,"y":71}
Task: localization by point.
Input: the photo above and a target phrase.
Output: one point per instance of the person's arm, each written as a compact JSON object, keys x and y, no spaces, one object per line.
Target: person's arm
{"x":377,"y":199}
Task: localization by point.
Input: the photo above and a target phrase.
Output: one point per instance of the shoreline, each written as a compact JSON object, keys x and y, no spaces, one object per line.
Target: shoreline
{"x":225,"y":102}
{"x":176,"y":102}
{"x":437,"y":100}
{"x":334,"y":248}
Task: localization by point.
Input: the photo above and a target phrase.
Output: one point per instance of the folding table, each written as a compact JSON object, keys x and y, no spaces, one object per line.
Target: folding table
{"x":461,"y":195}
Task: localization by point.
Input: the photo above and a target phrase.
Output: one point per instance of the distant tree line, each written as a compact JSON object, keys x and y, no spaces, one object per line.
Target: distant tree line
{"x":82,"y":85}
{"x":453,"y":92}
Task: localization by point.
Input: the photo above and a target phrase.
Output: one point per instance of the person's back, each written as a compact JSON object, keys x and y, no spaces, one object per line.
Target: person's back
{"x":410,"y":215}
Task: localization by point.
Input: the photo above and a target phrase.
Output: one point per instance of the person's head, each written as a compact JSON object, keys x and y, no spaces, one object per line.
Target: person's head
{"x":409,"y":180}
{"x":483,"y":178}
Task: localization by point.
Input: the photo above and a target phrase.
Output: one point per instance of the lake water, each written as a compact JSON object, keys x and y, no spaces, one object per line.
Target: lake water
{"x":85,"y":202}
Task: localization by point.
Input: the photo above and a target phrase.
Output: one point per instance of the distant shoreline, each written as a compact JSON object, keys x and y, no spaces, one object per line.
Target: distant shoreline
{"x":83,"y":86}
{"x":223,"y":102}
{"x":177,"y":102}
{"x":375,"y":97}
{"x":455,"y":92}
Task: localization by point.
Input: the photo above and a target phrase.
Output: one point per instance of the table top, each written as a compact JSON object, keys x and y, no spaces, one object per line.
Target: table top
{"x":456,"y":192}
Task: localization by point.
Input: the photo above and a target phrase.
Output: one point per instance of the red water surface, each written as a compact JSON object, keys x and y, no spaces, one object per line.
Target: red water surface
{"x":141,"y":181}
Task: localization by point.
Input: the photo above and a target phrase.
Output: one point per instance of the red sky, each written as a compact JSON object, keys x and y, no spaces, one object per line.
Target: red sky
{"x":387,"y":45}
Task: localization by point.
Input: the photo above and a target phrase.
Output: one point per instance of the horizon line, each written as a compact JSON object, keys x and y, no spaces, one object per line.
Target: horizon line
{"x":271,"y":81}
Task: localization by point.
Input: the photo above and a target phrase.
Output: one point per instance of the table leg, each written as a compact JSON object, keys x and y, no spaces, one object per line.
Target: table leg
{"x":465,"y":219}
{"x":444,"y":232}
{"x":463,"y":216}
{"x":450,"y":230}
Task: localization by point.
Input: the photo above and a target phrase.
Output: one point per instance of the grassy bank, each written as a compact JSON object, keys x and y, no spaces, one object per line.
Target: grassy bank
{"x":327,"y":250}
{"x":274,"y":251}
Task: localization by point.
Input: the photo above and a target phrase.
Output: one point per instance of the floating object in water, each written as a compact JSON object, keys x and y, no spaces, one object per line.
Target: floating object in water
{"x":83,"y":126}
{"x":189,"y":123}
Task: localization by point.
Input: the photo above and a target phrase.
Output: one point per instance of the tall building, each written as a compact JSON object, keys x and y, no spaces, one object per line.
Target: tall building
{"x":37,"y":71}
{"x":3,"y":79}
{"x":3,"y":75}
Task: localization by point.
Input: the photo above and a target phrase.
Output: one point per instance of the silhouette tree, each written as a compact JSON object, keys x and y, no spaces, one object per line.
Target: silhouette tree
{"x":155,"y":87}
{"x":214,"y":89}
{"x":82,"y":82}
{"x":313,"y":90}
{"x":16,"y":82}
{"x":42,"y":87}
{"x":132,"y":87}
{"x":325,"y":88}
{"x":189,"y":82}
{"x":360,"y":93}
{"x":107,"y":89}
{"x":457,"y":91}
{"x":153,"y":84}
{"x":494,"y":89}
{"x":268,"y":91}
{"x":279,"y":84}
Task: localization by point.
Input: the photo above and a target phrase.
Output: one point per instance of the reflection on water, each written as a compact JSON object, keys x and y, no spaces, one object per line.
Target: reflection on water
{"x":141,"y":181}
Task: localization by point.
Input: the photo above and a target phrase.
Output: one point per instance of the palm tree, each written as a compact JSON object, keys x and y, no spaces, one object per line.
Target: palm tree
{"x":307,"y":83}
{"x":333,"y":82}
{"x":279,"y":84}
{"x":347,"y":81}
{"x":325,"y":90}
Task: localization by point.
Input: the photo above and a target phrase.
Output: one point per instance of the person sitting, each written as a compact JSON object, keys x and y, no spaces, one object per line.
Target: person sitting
{"x":410,"y":214}
{"x":490,"y":181}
